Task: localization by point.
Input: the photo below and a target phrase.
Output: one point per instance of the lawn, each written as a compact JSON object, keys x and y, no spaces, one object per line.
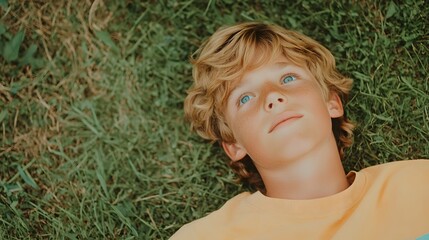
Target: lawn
{"x":93,"y":144}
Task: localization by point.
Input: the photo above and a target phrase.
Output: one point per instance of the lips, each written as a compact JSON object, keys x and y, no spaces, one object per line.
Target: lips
{"x":283,"y":118}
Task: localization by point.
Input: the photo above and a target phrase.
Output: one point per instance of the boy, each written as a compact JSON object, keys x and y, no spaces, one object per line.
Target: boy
{"x":274,"y":99}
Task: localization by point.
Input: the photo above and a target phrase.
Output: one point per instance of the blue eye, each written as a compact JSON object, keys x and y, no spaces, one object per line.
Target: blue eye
{"x":245,"y":99}
{"x":288,"y":78}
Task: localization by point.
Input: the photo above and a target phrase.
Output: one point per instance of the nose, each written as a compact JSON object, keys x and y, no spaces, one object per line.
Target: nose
{"x":274,"y":100}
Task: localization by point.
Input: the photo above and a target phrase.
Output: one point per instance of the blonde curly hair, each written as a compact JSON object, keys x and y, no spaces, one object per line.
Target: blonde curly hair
{"x":224,"y":58}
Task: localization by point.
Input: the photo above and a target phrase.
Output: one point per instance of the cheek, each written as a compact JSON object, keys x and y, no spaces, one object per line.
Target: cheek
{"x":245,"y":125}
{"x":314,"y":99}
{"x":241,"y":128}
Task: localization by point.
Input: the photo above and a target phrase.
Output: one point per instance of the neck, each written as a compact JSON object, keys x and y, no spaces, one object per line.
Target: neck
{"x":320,"y":174}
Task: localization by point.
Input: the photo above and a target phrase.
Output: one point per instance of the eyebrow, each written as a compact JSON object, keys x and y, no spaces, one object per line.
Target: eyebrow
{"x":282,"y":64}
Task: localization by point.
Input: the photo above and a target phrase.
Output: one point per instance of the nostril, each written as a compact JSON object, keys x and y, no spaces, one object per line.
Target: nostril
{"x":270,"y":105}
{"x":280,"y":100}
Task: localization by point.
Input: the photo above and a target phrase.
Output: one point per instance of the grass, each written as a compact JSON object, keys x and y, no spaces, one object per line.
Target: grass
{"x":92,"y":138}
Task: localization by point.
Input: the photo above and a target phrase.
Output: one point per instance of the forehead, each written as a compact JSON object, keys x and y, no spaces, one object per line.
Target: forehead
{"x":259,"y":60}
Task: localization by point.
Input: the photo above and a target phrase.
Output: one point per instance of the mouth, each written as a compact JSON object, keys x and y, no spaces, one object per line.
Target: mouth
{"x":284,"y":119}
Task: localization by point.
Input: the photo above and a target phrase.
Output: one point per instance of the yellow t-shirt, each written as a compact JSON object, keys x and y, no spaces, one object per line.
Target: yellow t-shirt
{"x":388,"y":201}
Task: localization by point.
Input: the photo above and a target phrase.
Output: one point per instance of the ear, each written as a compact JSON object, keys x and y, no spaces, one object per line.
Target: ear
{"x":335,"y":106}
{"x":234,"y":151}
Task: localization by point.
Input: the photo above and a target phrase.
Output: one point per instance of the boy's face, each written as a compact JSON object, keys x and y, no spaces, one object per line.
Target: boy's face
{"x":278,"y":114}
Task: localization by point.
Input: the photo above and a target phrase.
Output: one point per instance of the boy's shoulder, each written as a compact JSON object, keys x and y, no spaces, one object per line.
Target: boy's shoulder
{"x":398,"y":167}
{"x":214,"y":221}
{"x":399,"y":178}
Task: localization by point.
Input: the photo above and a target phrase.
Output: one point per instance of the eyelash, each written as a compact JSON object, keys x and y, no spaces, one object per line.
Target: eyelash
{"x":240,"y":100}
{"x":286,"y":76}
